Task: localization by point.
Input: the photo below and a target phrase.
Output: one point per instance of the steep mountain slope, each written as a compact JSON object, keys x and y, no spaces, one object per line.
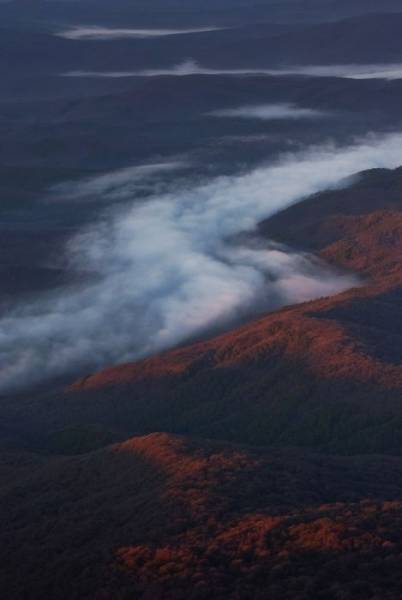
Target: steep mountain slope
{"x":278,"y":475}
{"x":307,"y":375}
{"x":175,"y":518}
{"x":310,"y":374}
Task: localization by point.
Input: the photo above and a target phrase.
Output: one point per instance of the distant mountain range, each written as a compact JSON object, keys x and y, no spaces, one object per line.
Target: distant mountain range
{"x":343,"y":42}
{"x":234,"y":11}
{"x":262,"y":462}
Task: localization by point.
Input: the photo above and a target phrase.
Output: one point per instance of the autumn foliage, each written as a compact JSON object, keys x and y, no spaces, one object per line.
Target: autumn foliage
{"x":167,"y":517}
{"x":280,"y":475}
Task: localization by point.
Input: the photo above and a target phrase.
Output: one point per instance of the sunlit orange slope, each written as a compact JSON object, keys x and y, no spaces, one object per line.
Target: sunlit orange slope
{"x":327,"y":373}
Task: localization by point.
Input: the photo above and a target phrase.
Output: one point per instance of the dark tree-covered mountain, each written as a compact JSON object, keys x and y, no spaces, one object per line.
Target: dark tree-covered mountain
{"x":176,"y":518}
{"x":308,"y":375}
{"x":261,"y":459}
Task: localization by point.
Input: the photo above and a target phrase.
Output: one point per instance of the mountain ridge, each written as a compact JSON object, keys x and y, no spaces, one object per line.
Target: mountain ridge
{"x":306,"y":375}
{"x":174,"y":517}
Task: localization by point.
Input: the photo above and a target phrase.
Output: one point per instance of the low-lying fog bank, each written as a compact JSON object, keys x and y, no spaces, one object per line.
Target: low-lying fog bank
{"x":173,"y":266}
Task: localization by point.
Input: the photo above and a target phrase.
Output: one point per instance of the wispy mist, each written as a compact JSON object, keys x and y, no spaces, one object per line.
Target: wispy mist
{"x":173,"y":266}
{"x":128,"y":182}
{"x":190,"y":67}
{"x":94,"y":32}
{"x":379,"y":71}
{"x":269,"y":112}
{"x":186,"y":68}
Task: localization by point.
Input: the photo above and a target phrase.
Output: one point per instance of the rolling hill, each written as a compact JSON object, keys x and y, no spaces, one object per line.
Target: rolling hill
{"x":176,"y":518}
{"x":263,"y":459}
{"x":227,"y":502}
{"x":307,"y":375}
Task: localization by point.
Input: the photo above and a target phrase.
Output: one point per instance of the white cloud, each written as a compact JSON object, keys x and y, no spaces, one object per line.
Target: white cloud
{"x":184,"y":69}
{"x":269,"y":112}
{"x":379,"y":71}
{"x":169,"y":268}
{"x":190,"y":67}
{"x":94,"y":32}
{"x":118,"y":185}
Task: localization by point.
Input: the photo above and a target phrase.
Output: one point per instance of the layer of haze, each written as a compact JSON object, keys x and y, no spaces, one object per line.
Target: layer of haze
{"x":269,"y":112}
{"x":123,"y":184}
{"x":379,"y":71}
{"x":186,"y":68}
{"x":95,"y":32}
{"x":176,"y":265}
{"x":190,"y":67}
